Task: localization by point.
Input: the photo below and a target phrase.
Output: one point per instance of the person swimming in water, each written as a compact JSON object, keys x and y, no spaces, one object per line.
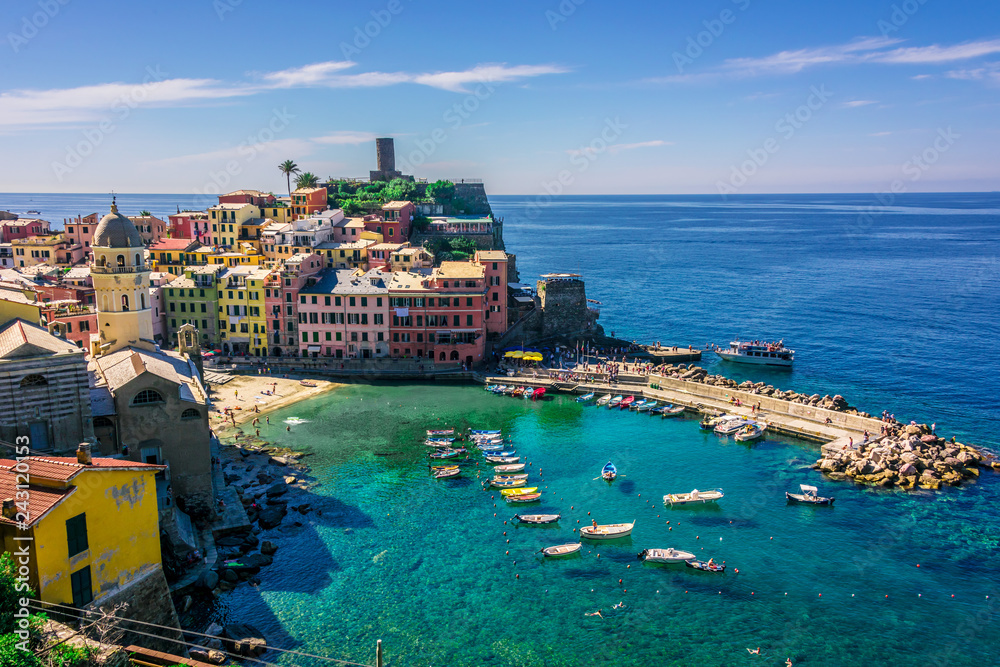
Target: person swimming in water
{"x":594,"y":613}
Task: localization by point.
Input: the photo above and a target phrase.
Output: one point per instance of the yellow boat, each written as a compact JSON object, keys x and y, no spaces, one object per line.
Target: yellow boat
{"x":523,"y":491}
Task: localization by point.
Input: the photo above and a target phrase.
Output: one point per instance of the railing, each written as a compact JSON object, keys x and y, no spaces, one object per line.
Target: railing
{"x":116,"y":269}
{"x":464,"y":180}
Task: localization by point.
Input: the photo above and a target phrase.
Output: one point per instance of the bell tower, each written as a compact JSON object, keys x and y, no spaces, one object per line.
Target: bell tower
{"x":121,"y":285}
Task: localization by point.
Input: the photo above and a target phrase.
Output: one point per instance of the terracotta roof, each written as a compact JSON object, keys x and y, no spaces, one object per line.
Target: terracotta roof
{"x":65,"y":468}
{"x":19,"y":333}
{"x":121,"y":367}
{"x":393,"y":205}
{"x":40,"y":500}
{"x":492,"y":255}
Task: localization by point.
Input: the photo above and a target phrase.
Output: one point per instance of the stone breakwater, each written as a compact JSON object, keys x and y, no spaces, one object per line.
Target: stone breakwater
{"x":912,"y":458}
{"x":699,"y":374}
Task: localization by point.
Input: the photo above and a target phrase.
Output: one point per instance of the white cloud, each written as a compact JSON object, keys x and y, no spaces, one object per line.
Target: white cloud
{"x":618,"y":148}
{"x":936,"y":54}
{"x":306,"y":75}
{"x":880,"y":134}
{"x":348,"y":138}
{"x":854,"y":104}
{"x":989,"y":72}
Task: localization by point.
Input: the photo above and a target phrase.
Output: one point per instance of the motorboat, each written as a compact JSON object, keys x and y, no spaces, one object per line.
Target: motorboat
{"x":647,"y":406}
{"x":751,"y":431}
{"x":627,"y":401}
{"x":670,"y":555}
{"x":695,"y":496}
{"x":673,"y":411}
{"x":441,"y":432}
{"x":446,"y":454}
{"x":506,"y":482}
{"x":711,"y":421}
{"x":613,"y":403}
{"x":730,"y":427}
{"x":513,"y":467}
{"x":491,"y":448}
{"x":490,"y":458}
{"x":609,"y":472}
{"x":447,"y":472}
{"x":501,"y":476}
{"x":585,"y":398}
{"x":603,"y":400}
{"x":509,"y":452}
{"x":608,"y":531}
{"x":519,"y":492}
{"x":759,"y":353}
{"x":526,"y":498}
{"x":561,"y":550}
{"x":808,"y":496}
{"x":538,"y":394}
{"x":536,"y":519}
{"x":659,"y":410}
{"x":705,"y":566}
{"x":482,"y":432}
{"x":638,"y":404}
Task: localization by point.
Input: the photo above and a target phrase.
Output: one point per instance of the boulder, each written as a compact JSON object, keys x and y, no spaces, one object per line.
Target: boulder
{"x":208,"y":580}
{"x":276,"y":490}
{"x":268,"y":547}
{"x":230,"y":576}
{"x":952,"y":477}
{"x":257,"y":560}
{"x":229,"y":541}
{"x":908,"y":470}
{"x":205,"y":654}
{"x":928,"y":483}
{"x":271,"y":517}
{"x":912,"y":429}
{"x":244,"y":640}
{"x":828,"y":465}
{"x":251,"y":540}
{"x":214,"y":629}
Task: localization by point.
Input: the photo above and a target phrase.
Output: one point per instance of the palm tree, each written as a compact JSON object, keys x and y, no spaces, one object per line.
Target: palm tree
{"x":306,"y":180}
{"x":288,"y":167}
{"x":145,"y":213}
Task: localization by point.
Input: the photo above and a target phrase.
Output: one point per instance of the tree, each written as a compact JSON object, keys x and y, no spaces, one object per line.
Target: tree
{"x":350,"y":207}
{"x":9,"y":594}
{"x":463,"y":245}
{"x":399,"y":189}
{"x":145,"y":213}
{"x":288,"y":167}
{"x":441,"y":190}
{"x":306,"y":180}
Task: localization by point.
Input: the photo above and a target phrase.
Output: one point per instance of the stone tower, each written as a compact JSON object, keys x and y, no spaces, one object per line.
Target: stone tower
{"x":121,"y":285}
{"x":385,"y":152}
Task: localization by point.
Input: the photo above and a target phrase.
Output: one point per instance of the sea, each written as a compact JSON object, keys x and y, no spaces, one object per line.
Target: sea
{"x":892,"y":304}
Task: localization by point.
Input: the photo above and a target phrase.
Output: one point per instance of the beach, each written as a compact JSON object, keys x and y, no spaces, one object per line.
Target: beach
{"x":243,"y":393}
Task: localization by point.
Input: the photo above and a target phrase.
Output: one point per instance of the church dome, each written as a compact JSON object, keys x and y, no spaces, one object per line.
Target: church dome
{"x":116,"y":231}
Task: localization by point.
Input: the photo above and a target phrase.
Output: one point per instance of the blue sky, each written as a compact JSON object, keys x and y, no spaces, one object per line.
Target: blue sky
{"x":577,"y":96}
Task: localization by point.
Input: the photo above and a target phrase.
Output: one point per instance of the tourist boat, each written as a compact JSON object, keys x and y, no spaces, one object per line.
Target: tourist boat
{"x":538,"y":394}
{"x":506,"y":482}
{"x":766,"y":354}
{"x":446,"y":431}
{"x":33,"y":212}
{"x":808,"y":496}
{"x":561,"y":550}
{"x":627,"y":401}
{"x":751,"y":431}
{"x":307,"y":383}
{"x":607,"y":531}
{"x":536,"y":519}
{"x":513,"y":467}
{"x":448,"y":472}
{"x":482,"y":432}
{"x":670,"y":555}
{"x":646,"y":407}
{"x":447,"y":453}
{"x":526,"y":498}
{"x":704,"y":566}
{"x":672,"y":411}
{"x":613,"y":403}
{"x":695,"y":496}
{"x":711,"y":421}
{"x":585,"y":398}
{"x":490,"y":458}
{"x":519,"y":492}
{"x":730,"y":427}
{"x":603,"y":400}
{"x":609,"y":472}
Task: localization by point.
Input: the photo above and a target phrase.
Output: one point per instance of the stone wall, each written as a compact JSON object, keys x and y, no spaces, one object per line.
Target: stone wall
{"x":474,"y":195}
{"x":482,"y":241}
{"x":564,"y":306}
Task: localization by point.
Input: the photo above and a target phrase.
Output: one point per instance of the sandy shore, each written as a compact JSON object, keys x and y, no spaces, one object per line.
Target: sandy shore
{"x":245,"y":392}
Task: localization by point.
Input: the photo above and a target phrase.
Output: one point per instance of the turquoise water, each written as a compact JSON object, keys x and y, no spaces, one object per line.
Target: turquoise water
{"x":423,"y":564}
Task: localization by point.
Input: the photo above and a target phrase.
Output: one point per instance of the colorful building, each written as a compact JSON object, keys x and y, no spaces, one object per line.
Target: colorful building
{"x":307,"y":201}
{"x":395,"y":221}
{"x":52,"y":249}
{"x":193,"y":298}
{"x":346,"y":255}
{"x":345,"y":315}
{"x":151,"y":228}
{"x":22,"y":228}
{"x":281,"y":300}
{"x":226,"y":220}
{"x":255,"y":197}
{"x":173,"y":254}
{"x":192,"y":225}
{"x":494,"y":262}
{"x":81,"y":230}
{"x":242,"y":311}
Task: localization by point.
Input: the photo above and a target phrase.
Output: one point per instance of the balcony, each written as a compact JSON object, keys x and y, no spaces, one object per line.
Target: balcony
{"x":116,"y":269}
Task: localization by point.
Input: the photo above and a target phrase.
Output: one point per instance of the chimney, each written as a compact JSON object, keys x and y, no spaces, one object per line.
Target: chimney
{"x":83,"y":454}
{"x":9,"y":509}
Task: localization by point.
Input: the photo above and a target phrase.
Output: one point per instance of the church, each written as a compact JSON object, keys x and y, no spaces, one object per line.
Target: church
{"x":149,"y":405}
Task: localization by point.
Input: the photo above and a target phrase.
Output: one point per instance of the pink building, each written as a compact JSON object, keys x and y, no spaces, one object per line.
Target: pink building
{"x":81,"y":230}
{"x":157,"y":279}
{"x":494,"y":263}
{"x":347,"y":230}
{"x":345,"y":315}
{"x":380,"y":254}
{"x":151,"y":228}
{"x":189,"y":225}
{"x":255,"y":197}
{"x":394,"y":222}
{"x":281,"y":300}
{"x":77,"y":321}
{"x":22,"y":229}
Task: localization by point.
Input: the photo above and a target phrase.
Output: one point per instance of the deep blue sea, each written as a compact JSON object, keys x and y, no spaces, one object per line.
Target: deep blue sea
{"x":894,"y":307}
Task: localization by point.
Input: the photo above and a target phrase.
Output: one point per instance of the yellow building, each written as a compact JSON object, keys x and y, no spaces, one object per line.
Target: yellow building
{"x":86,"y":527}
{"x":242,"y":316}
{"x":52,"y":249}
{"x":17,"y":301}
{"x":226,"y":221}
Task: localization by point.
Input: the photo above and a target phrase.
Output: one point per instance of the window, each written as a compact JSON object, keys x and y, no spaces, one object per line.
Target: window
{"x":364,"y":336}
{"x":124,"y":303}
{"x":33,"y":381}
{"x":339,"y":337}
{"x":364,"y":302}
{"x":351,"y":302}
{"x":336,"y":300}
{"x":171,"y":307}
{"x":315,"y":336}
{"x":377,"y":318}
{"x":420,"y":321}
{"x":494,"y":266}
{"x":203,"y":308}
{"x":420,"y":338}
{"x":468,"y":320}
{"x":313,"y":301}
{"x":302,"y":298}
{"x":326,"y":301}
{"x":496,"y":296}
{"x":183,"y":307}
{"x":329,"y":335}
{"x":76,"y":534}
{"x":354,"y":336}
{"x":147,"y":396}
{"x":190,"y":413}
{"x":305,"y":336}
{"x":378,"y":302}
{"x":80,"y":583}
{"x":456,"y":320}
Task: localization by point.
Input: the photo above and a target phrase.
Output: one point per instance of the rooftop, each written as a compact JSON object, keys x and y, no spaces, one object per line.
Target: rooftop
{"x":492,"y":255}
{"x":255,"y":193}
{"x":121,"y":367}
{"x":173,"y":244}
{"x":348,"y":281}
{"x":23,"y":339}
{"x":228,"y":207}
{"x":395,"y":205}
{"x":460,"y":270}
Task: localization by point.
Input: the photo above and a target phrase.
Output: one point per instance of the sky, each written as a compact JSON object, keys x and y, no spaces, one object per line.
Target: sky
{"x":560,"y":96}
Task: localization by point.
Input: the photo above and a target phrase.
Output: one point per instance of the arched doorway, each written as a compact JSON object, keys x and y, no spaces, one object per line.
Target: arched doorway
{"x":276,"y":351}
{"x":107,"y":438}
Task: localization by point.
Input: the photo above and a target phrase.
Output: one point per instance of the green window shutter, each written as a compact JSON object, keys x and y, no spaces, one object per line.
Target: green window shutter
{"x":76,"y":534}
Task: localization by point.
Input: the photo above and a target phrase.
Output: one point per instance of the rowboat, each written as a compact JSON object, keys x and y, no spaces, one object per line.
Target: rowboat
{"x":445,"y":467}
{"x":661,"y":409}
{"x":307,"y":383}
{"x":730,"y":427}
{"x":502,"y":459}
{"x":648,"y":405}
{"x":608,"y":531}
{"x":517,"y":392}
{"x":519,"y":492}
{"x":808,"y":496}
{"x":513,"y":467}
{"x":672,"y":411}
{"x":695,"y":496}
{"x":499,"y":389}
{"x":486,"y":439}
{"x":585,"y":398}
{"x":603,"y":400}
{"x":609,"y":472}
{"x":670,"y":555}
{"x":638,"y":404}
{"x":752,"y":431}
{"x":627,"y":401}
{"x":447,"y":454}
{"x":490,"y":447}
{"x":561,"y":550}
{"x":613,"y":403}
{"x":526,"y":498}
{"x":509,"y":452}
{"x":446,"y":431}
{"x":502,"y":476}
{"x":704,"y":566}
{"x":482,"y":432}
{"x":536,"y":519}
{"x":506,"y":483}
{"x":538,"y":394}
{"x":441,"y":474}
{"x":444,"y":442}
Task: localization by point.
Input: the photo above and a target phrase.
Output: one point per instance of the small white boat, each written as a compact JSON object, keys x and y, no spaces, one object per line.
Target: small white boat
{"x":585,"y":398}
{"x":638,"y":404}
{"x":751,"y":431}
{"x":670,"y":555}
{"x":518,"y":476}
{"x":695,"y":496}
{"x":607,"y":531}
{"x":507,"y":482}
{"x":603,"y":400}
{"x":536,"y":519}
{"x":513,"y":467}
{"x":561,"y":550}
{"x":447,"y":472}
{"x":645,"y":407}
{"x":730,"y":427}
{"x":808,"y":496}
{"x":672,"y":412}
{"x":613,"y":403}
{"x":759,"y":353}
